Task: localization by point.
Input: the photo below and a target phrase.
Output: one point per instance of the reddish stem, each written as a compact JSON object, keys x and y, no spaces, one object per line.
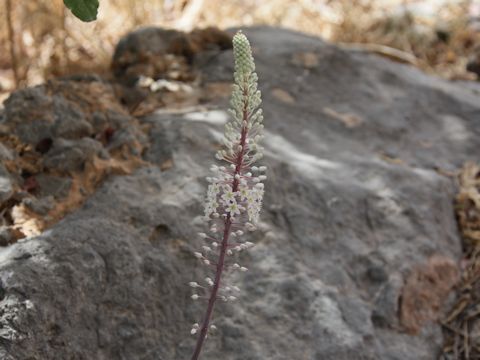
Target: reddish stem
{"x":226,"y":235}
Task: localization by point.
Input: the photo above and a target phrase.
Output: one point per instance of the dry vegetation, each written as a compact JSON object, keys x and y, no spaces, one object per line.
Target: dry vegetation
{"x":50,"y":42}
{"x":462,"y":324}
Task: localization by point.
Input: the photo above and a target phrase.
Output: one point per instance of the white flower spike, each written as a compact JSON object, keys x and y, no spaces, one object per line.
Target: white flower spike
{"x":235,"y":191}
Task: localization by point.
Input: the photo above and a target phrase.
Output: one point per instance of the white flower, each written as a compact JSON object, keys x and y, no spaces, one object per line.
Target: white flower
{"x":195,"y":296}
{"x":243,"y":192}
{"x":254,"y":203}
{"x":228,"y":195}
{"x":193,"y":284}
{"x":211,"y":203}
{"x":233,"y":208}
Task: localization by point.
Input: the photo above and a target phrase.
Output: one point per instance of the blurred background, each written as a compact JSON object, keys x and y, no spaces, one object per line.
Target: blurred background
{"x":439,"y":36}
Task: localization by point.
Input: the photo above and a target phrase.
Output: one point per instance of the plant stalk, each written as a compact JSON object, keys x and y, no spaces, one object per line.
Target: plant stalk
{"x":226,"y":235}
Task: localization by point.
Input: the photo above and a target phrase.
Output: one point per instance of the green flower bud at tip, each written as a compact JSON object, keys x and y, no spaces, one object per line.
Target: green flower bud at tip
{"x":243,"y":54}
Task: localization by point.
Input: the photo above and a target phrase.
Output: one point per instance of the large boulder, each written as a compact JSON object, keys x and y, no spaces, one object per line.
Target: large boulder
{"x":356,"y":252}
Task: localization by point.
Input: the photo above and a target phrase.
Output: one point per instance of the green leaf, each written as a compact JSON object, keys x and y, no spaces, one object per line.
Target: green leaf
{"x":85,"y":10}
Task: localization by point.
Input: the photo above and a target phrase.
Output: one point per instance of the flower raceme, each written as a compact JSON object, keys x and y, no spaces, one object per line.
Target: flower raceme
{"x":235,"y":190}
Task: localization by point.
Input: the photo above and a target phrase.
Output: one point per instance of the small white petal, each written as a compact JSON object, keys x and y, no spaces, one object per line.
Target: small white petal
{"x":195,"y":297}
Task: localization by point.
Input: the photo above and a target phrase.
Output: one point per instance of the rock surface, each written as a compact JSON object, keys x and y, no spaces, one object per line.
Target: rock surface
{"x":358,"y":200}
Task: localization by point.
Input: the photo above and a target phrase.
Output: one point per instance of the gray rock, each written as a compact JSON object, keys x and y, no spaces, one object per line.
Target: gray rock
{"x":30,"y":123}
{"x":70,"y":155}
{"x":343,"y":224}
{"x":70,"y":122}
{"x":55,"y":186}
{"x":5,"y":153}
{"x":43,"y":205}
{"x":6,"y":189}
{"x":6,"y":238}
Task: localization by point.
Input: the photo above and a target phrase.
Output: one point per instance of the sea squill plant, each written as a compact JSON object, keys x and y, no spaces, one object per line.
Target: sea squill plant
{"x":235,"y":191}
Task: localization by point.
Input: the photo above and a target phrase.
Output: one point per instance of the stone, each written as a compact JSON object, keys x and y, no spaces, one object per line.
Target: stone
{"x":42,"y":205}
{"x":6,"y":189}
{"x":70,"y":155}
{"x":159,"y":53}
{"x":56,"y":186}
{"x":350,"y":213}
{"x":5,"y":153}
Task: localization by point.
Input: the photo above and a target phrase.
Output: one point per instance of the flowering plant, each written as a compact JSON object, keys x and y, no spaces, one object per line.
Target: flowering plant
{"x":235,"y":191}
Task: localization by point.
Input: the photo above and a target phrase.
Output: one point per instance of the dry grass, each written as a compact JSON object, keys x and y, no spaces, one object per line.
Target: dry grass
{"x":50,"y":42}
{"x":462,"y":325}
